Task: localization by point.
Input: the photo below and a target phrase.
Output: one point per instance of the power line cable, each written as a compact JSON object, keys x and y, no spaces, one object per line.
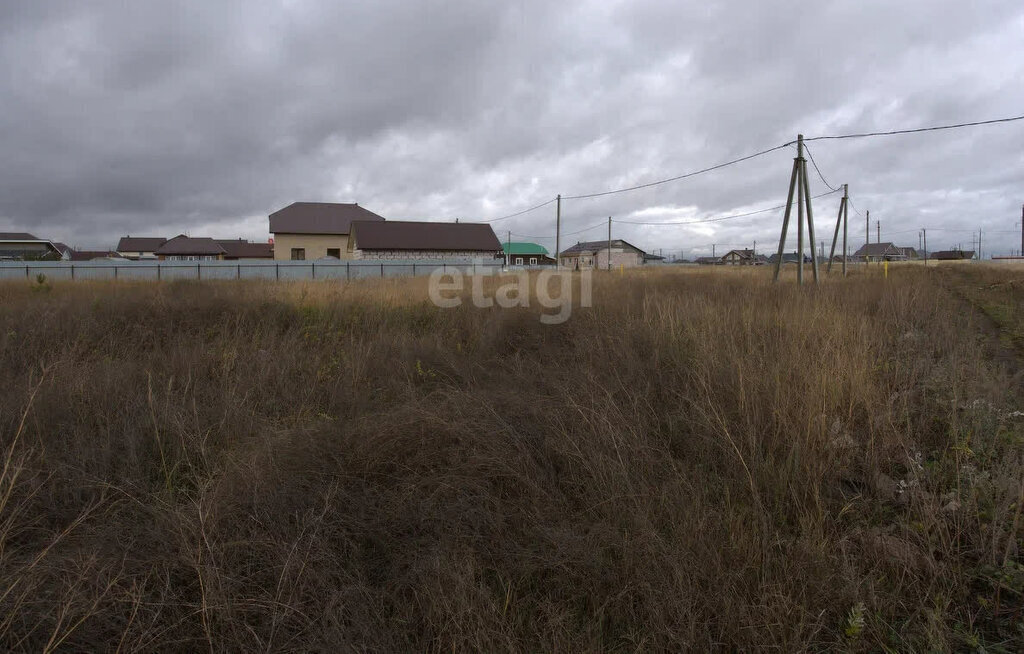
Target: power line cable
{"x":519,"y":213}
{"x":678,"y":177}
{"x":818,"y":170}
{"x":720,"y":218}
{"x":914,"y":131}
{"x":933,"y":128}
{"x":579,"y":231}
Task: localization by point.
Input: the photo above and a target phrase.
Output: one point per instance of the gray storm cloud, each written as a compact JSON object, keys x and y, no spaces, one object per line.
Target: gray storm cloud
{"x":148,"y":117}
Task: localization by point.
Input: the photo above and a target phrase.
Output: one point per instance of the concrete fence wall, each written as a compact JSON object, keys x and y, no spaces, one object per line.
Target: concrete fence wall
{"x":244,"y":269}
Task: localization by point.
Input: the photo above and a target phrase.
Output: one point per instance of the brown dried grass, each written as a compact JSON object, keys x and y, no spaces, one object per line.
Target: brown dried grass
{"x":701,"y":461}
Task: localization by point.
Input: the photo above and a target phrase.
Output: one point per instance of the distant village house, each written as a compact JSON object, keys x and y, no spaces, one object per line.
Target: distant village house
{"x":315,"y":230}
{"x":527,"y":254}
{"x":21,"y":246}
{"x":743,"y":258}
{"x":139,"y":247}
{"x":596,"y":254}
{"x":880,"y":252}
{"x":953,"y":255}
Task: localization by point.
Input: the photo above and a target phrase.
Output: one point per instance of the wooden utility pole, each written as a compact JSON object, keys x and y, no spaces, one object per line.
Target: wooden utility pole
{"x":846,"y":213}
{"x":609,"y":243}
{"x":798,"y":182}
{"x":878,"y":225}
{"x":924,"y":234}
{"x":1022,"y":230}
{"x":800,"y":211}
{"x":558,"y":231}
{"x":785,"y":218}
{"x":867,"y":227}
{"x":841,"y":218}
{"x":979,"y":245}
{"x":508,"y":249}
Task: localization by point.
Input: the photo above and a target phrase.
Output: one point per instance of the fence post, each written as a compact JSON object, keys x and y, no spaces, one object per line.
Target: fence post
{"x":313,"y":268}
{"x":72,"y":271}
{"x":348,"y":271}
{"x":414,"y":270}
{"x":26,"y":271}
{"x":158,"y":268}
{"x":382,"y":271}
{"x":115,"y":271}
{"x":238,"y":271}
{"x":277,"y":272}
{"x":199,"y":272}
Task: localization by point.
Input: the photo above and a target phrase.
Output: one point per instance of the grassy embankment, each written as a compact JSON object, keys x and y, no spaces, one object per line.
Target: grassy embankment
{"x":700,"y":461}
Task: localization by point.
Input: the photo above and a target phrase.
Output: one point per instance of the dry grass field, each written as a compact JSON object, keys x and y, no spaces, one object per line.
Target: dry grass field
{"x":701,"y":461}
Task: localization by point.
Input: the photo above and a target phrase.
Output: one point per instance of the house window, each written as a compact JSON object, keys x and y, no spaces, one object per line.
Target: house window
{"x":334,"y":252}
{"x":298,"y":254}
{"x":519,"y":261}
{"x":533,"y":261}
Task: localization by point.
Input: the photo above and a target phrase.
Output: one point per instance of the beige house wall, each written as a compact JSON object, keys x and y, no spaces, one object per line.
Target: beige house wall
{"x":425,"y":254}
{"x":315,"y":245}
{"x":619,"y":256}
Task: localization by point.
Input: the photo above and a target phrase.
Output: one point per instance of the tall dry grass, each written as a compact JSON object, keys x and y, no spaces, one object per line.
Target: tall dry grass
{"x":701,"y":461}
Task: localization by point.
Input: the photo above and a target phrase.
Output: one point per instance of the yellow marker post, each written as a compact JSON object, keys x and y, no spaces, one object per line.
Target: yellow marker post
{"x":622,"y":266}
{"x":885,"y":270}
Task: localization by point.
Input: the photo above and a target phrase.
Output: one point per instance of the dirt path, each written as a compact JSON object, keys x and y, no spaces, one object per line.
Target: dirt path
{"x":997,"y":296}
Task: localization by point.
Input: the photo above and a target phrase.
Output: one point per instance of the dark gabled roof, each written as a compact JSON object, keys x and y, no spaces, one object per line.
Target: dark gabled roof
{"x":140,"y":243}
{"x":743,"y":254}
{"x":17,"y":236}
{"x":411,"y":235}
{"x":319,"y":218}
{"x":788,"y":257}
{"x":586,"y":247}
{"x":186,"y":245}
{"x":949,"y":255}
{"x":878,"y":250}
{"x":245,"y":250}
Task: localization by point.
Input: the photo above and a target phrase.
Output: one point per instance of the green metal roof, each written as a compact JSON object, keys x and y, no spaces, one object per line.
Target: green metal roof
{"x":522,"y":247}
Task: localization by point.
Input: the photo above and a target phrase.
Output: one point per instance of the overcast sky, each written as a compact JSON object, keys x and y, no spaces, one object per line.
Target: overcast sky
{"x":154,"y":118}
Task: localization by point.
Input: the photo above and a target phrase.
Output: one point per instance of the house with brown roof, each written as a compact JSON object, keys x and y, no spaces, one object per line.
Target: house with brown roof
{"x":22,"y":246}
{"x":314,"y":230}
{"x":139,"y":247}
{"x":952,"y":255}
{"x":743,"y":258}
{"x":879,"y":252}
{"x":235,"y":249}
{"x":402,"y":239}
{"x":187,"y":248}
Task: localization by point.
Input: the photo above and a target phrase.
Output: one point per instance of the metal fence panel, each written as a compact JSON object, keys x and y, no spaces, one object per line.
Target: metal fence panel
{"x":245,"y":269}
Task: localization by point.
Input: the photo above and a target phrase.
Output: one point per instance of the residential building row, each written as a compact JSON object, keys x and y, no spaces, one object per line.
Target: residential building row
{"x":868,"y":253}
